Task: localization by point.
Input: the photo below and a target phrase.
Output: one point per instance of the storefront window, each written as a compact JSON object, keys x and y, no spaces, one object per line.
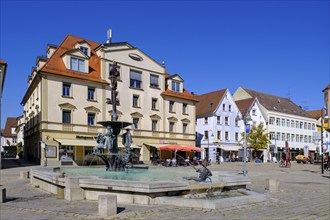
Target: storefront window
{"x":66,"y":153}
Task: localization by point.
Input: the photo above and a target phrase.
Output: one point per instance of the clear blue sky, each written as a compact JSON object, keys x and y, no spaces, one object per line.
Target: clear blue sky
{"x":275,"y":47}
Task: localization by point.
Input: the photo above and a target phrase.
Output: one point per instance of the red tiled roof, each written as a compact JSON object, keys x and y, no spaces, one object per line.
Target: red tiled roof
{"x":244,"y":105}
{"x":209,"y":102}
{"x":185,"y":95}
{"x":277,"y":104}
{"x":10,"y":123}
{"x":2,"y":62}
{"x":55,"y":64}
{"x":316,"y":113}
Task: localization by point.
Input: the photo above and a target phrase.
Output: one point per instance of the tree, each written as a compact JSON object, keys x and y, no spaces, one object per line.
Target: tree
{"x":257,"y":139}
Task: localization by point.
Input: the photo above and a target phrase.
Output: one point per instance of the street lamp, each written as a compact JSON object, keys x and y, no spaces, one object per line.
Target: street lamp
{"x":208,"y":144}
{"x":322,"y":155}
{"x":246,"y":118}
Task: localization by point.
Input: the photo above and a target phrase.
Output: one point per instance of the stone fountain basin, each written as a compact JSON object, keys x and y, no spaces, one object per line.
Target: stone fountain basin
{"x":142,"y":192}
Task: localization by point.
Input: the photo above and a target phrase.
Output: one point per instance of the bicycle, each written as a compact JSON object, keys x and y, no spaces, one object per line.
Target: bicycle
{"x":283,"y":164}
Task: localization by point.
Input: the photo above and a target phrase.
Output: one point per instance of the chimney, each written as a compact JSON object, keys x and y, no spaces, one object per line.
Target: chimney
{"x":109,"y":36}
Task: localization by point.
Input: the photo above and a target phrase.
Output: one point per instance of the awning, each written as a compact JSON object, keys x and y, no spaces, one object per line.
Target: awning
{"x":231,"y":148}
{"x":86,"y":143}
{"x":155,"y":145}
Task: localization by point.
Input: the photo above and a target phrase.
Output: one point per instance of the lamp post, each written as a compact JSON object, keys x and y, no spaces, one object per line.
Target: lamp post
{"x":208,"y":144}
{"x":322,"y":155}
{"x":246,"y":118}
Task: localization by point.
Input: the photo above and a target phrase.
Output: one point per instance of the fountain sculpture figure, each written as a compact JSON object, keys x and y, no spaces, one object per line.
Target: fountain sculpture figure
{"x":114,"y":160}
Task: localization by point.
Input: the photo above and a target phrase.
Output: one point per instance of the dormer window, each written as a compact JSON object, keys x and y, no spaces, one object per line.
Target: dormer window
{"x":77,"y":64}
{"x":175,"y":86}
{"x":84,"y":50}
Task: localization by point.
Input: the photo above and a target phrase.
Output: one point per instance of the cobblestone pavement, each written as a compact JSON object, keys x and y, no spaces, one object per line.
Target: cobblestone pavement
{"x":304,"y":193}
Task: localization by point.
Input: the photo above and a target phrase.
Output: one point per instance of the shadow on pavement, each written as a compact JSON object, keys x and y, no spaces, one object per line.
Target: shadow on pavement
{"x":7,"y":163}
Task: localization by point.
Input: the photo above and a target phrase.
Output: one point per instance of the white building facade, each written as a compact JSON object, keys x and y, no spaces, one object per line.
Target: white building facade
{"x":218,"y":127}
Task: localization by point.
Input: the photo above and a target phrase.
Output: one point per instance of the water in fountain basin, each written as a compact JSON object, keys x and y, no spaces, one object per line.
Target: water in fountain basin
{"x":151,"y":174}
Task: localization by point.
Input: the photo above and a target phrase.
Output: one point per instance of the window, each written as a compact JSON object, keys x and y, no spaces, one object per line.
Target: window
{"x":206,"y":120}
{"x":135,"y":79}
{"x":218,"y":119}
{"x":227,"y":135}
{"x":90,"y":93}
{"x":254,"y":112}
{"x":236,"y":136}
{"x":309,"y":126}
{"x":135,"y":101}
{"x":154,"y":104}
{"x":305,"y":125}
{"x":301,"y":125}
{"x":77,"y":64}
{"x":219,"y":135}
{"x":223,"y":107}
{"x":66,"y":116}
{"x":88,"y":151}
{"x":226,"y":121}
{"x":283,"y":136}
{"x":154,"y":81}
{"x":66,"y":89}
{"x":236,"y":121}
{"x":171,"y":128}
{"x":271,"y":120}
{"x":278,"y":136}
{"x":84,"y":50}
{"x":154,"y":125}
{"x":184,"y":109}
{"x":206,"y":135}
{"x":91,"y":119}
{"x":118,"y":69}
{"x":175,"y":86}
{"x":66,"y":153}
{"x":229,"y":108}
{"x":278,"y":121}
{"x":271,"y":135}
{"x":184,"y":128}
{"x":171,"y":106}
{"x":283,"y":122}
{"x":136,"y":123}
{"x":293,"y":137}
{"x":288,"y":123}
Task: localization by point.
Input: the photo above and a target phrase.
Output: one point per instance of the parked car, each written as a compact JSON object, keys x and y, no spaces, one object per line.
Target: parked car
{"x":302,"y":159}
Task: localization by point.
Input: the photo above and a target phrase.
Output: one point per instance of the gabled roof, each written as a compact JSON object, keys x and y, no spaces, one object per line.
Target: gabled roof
{"x":244,"y":105}
{"x":328,"y":87}
{"x":55,"y":63}
{"x":209,"y":102}
{"x":10,"y":123}
{"x":277,"y":103}
{"x":316,"y":113}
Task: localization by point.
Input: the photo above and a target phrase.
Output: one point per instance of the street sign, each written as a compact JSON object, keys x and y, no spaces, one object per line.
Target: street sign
{"x":247,"y":128}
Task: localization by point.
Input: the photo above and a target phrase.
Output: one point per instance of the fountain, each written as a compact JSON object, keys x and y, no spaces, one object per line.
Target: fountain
{"x":114,"y":160}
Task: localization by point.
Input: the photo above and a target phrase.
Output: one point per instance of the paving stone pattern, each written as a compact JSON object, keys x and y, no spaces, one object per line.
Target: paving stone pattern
{"x":304,"y":193}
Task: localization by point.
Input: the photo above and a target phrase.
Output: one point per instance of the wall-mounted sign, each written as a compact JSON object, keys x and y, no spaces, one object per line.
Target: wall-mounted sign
{"x":51,"y":151}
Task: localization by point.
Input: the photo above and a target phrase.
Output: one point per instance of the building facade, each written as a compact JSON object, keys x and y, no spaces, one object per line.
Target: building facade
{"x":285,"y":121}
{"x":9,"y":138}
{"x":67,"y":96}
{"x":218,"y":127}
{"x":252,"y":109}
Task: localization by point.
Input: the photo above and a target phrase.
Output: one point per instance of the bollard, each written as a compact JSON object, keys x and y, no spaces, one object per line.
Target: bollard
{"x":25,"y":174}
{"x":272,"y":185}
{"x":107,"y":205}
{"x":2,"y":194}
